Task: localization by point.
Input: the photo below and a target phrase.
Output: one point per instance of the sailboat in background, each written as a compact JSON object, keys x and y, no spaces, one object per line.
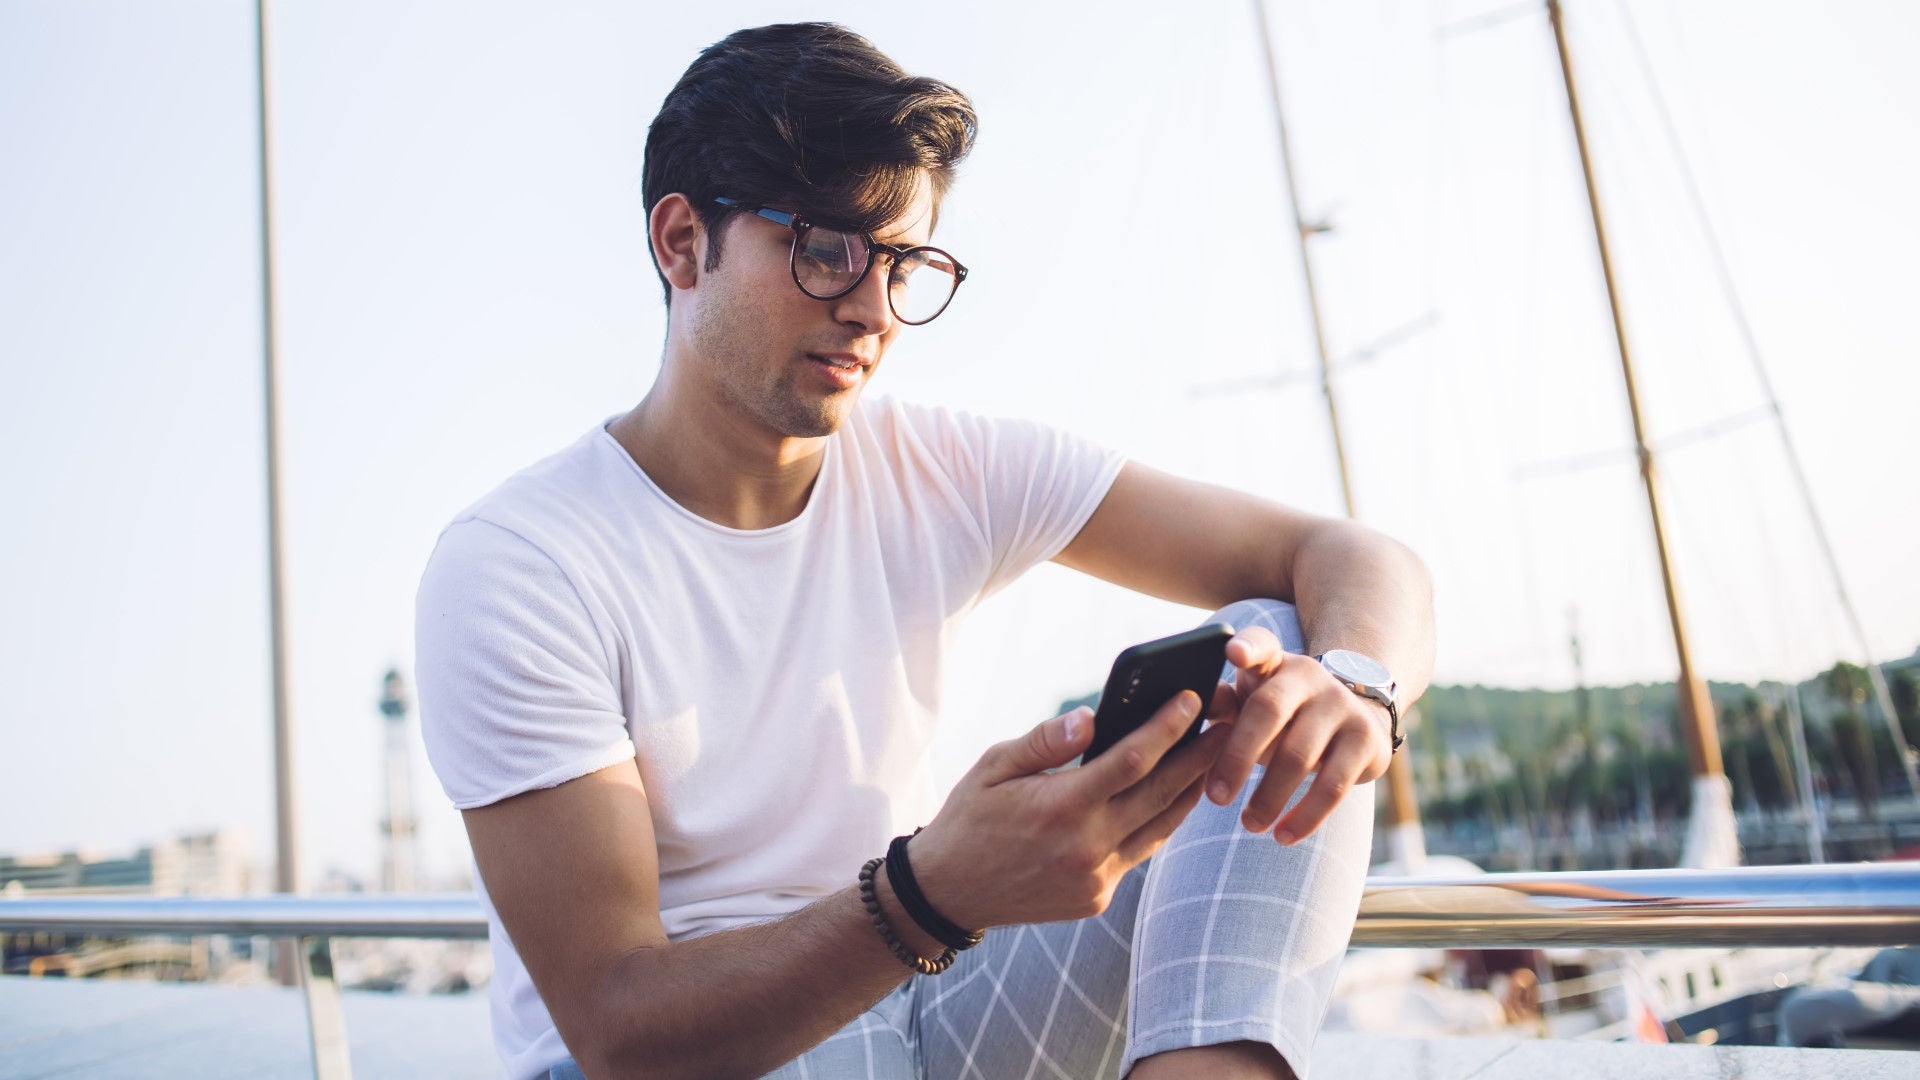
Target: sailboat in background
{"x":1588,"y":993}
{"x":1711,"y":837}
{"x":1712,"y":834}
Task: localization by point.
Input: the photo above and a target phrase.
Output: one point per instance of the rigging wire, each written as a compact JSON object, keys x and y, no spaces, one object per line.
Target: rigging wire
{"x":1712,"y":429}
{"x":1750,"y":340}
{"x":1488,"y":19}
{"x":1694,"y":541}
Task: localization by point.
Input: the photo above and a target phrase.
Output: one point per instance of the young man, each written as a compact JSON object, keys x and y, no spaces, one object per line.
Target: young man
{"x":682,"y":677}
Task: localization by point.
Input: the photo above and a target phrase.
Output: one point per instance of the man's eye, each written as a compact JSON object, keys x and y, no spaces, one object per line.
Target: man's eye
{"x":828,"y":249}
{"x":907,"y":264}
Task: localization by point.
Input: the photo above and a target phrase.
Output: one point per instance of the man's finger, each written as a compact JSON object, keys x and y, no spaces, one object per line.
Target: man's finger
{"x":1168,"y":781}
{"x":1048,"y":746}
{"x":1262,"y":717}
{"x":1146,"y":840}
{"x":1132,"y":758}
{"x":1294,"y":754}
{"x":1338,"y":769}
{"x":1257,"y":651}
{"x":1225,"y":704}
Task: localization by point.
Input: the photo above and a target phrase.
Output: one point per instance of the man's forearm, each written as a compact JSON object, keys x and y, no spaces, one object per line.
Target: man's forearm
{"x":742,"y":1002}
{"x":1357,"y":589}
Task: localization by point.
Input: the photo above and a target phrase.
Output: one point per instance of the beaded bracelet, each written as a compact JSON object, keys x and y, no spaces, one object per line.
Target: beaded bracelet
{"x":907,"y":956}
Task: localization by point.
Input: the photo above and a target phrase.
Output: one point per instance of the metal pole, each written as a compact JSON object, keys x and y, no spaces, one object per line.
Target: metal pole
{"x":1696,"y":708}
{"x":1403,"y":807}
{"x":286,"y":872}
{"x":326,"y":1021}
{"x":1809,"y":808}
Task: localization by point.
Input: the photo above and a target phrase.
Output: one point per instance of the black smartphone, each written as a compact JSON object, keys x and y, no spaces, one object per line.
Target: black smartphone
{"x":1148,"y":675}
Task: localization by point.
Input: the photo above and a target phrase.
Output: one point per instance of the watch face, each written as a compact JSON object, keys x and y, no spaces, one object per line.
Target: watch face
{"x":1357,"y":668}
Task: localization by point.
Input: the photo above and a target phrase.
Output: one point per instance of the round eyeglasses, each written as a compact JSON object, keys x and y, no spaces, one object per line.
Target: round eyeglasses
{"x":829,"y":263}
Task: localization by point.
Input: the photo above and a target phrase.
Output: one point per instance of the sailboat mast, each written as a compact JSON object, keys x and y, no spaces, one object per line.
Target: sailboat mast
{"x":1696,"y":708}
{"x":1403,"y":808}
{"x":286,"y":873}
{"x":1305,"y":231}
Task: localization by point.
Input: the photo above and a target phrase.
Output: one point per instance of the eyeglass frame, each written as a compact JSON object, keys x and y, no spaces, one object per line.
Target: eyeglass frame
{"x":798,"y":222}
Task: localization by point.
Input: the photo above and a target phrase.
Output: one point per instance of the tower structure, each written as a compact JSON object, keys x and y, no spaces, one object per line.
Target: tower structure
{"x":397,"y":825}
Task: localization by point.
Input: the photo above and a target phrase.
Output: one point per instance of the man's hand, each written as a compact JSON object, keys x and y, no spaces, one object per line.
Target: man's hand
{"x":1290,"y":714}
{"x":1017,"y":844}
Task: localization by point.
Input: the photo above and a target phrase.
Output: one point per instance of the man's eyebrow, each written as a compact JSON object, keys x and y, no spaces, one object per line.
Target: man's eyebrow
{"x":903,"y":241}
{"x":905,"y":244}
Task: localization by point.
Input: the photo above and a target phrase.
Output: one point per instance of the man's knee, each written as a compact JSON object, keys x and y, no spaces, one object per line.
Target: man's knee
{"x":1276,"y":615}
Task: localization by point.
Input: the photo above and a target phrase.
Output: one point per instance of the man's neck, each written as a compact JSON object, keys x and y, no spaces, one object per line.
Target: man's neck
{"x":717,"y":461}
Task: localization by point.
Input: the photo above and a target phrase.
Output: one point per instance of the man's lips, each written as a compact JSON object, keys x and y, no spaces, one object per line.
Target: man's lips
{"x":842,"y":361}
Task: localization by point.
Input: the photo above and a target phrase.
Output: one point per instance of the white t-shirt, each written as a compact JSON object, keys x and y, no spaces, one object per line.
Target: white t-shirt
{"x":777,"y":687}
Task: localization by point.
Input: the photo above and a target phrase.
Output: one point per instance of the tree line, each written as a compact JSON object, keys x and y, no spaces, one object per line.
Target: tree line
{"x":1612,"y":755}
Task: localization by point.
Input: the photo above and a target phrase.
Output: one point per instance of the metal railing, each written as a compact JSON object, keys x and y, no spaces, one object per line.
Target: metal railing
{"x":1830,"y":905}
{"x":1858,"y":904}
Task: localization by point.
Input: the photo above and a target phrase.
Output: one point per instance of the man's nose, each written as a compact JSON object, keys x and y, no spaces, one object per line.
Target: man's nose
{"x":867,"y":306}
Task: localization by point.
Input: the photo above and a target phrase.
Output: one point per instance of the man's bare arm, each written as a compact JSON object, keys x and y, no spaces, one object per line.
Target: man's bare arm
{"x":1353,"y":588}
{"x":1208,"y":546}
{"x":573,"y":872}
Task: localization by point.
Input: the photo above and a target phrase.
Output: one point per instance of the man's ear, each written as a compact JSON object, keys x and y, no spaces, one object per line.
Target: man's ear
{"x":679,"y":240}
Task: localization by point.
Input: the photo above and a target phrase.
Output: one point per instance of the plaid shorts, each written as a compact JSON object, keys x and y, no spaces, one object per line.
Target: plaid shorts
{"x":1222,"y":936}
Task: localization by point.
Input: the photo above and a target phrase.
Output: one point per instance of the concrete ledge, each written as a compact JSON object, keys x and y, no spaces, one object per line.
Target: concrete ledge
{"x":1349,"y":1056}
{"x":86,"y":1027}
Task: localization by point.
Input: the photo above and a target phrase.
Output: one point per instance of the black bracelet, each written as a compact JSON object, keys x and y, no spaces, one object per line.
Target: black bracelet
{"x":905,"y":955}
{"x":922,"y":912}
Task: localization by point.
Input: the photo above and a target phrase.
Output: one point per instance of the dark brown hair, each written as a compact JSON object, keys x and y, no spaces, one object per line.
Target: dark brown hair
{"x":804,"y":115}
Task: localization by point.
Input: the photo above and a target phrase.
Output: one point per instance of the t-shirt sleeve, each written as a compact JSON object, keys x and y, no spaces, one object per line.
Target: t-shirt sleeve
{"x":1030,"y":486}
{"x":518,"y":689}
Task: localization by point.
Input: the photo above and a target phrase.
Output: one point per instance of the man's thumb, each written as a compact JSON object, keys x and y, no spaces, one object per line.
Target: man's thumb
{"x":1048,"y":746}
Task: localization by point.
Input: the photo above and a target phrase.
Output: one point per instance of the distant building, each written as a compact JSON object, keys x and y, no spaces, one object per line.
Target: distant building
{"x":212,"y":863}
{"x":195,"y":864}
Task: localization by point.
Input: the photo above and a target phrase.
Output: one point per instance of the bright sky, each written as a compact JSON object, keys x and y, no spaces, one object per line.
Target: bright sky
{"x":465,"y":288}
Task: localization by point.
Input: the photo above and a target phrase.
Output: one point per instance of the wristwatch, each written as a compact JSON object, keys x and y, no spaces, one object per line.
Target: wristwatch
{"x":1367,"y":677}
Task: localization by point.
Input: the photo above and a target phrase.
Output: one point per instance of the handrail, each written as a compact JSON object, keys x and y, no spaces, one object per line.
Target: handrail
{"x":1831,"y":904}
{"x":1860,"y":904}
{"x":437,"y":915}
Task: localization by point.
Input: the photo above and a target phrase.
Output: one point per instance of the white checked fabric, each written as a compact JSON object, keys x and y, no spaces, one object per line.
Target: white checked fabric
{"x":1224,"y":935}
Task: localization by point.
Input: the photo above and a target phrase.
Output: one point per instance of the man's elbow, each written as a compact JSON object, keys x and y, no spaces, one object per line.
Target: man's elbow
{"x":1419,"y":577}
{"x":624,"y":1034}
{"x":1377,"y":549}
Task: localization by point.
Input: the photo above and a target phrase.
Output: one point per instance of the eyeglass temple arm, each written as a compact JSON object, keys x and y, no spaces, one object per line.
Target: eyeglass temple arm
{"x":779,"y":217}
{"x":783,"y":218}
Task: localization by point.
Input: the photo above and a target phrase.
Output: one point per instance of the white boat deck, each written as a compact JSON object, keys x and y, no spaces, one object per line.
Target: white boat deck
{"x":133,"y":1030}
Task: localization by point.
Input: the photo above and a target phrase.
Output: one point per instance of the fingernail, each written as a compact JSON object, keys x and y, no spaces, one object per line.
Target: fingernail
{"x":1220,"y":792}
{"x":1283,"y":836}
{"x":1076,"y":723}
{"x":1189,"y":705}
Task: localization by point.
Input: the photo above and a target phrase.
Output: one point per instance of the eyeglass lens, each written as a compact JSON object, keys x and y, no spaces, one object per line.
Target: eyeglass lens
{"x":829,"y":262}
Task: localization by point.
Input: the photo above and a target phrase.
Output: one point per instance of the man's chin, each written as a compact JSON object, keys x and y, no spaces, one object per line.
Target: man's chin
{"x":815,"y":419}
